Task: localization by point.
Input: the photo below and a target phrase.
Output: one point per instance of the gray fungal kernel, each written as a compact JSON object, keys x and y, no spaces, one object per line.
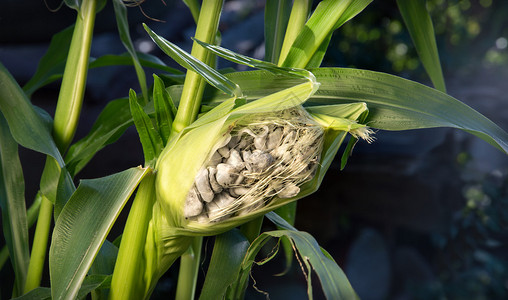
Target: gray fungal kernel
{"x":259,"y":161}
{"x":216,"y":187}
{"x":193,"y":205}
{"x":226,"y":175}
{"x":235,"y":160}
{"x":203,"y":185}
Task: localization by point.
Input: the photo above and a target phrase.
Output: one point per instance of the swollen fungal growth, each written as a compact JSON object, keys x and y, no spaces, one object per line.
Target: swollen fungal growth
{"x":262,"y":157}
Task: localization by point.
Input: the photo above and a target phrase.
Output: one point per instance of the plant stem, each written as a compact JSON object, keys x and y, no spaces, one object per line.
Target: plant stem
{"x":72,"y":90}
{"x":40,"y":243}
{"x":189,"y":266}
{"x":67,"y":113}
{"x":194,"y":85}
{"x":128,"y":281}
{"x":297,"y":19}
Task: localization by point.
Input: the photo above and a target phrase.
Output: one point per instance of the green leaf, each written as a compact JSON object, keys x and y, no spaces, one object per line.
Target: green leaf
{"x":317,"y":29}
{"x":254,"y":63}
{"x":12,"y":202}
{"x":334,"y":282}
{"x":354,"y":8}
{"x":419,"y":24}
{"x":394,"y":103}
{"x":26,"y":125}
{"x":189,"y":62}
{"x":77,"y":236}
{"x":165,"y":109}
{"x":399,"y":104}
{"x":109,"y":126}
{"x":276,"y":20}
{"x":51,"y":65}
{"x":223,"y":269}
{"x":90,"y":284}
{"x":148,"y":135}
{"x":123,"y":29}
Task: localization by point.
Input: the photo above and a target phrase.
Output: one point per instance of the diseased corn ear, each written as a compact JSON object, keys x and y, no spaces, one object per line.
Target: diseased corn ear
{"x":263,"y":157}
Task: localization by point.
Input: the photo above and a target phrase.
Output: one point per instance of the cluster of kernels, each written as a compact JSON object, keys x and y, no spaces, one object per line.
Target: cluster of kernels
{"x":267,"y":157}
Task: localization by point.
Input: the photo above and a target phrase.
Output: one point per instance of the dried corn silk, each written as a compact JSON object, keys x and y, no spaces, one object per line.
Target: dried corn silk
{"x":262,"y":157}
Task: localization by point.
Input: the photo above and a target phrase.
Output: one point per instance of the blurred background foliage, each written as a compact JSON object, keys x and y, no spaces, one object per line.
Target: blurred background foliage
{"x":465,"y":29}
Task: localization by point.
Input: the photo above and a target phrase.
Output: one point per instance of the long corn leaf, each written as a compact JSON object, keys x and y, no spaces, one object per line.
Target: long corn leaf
{"x":354,"y":8}
{"x":276,"y":20}
{"x":123,"y":29}
{"x":421,"y":30}
{"x":12,"y":202}
{"x":27,"y":126}
{"x":317,"y":29}
{"x":394,"y":103}
{"x":191,"y":63}
{"x":83,"y":226}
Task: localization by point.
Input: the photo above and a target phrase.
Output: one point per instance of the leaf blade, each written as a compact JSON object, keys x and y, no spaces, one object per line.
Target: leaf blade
{"x":77,"y":237}
{"x":223,"y":270}
{"x":12,"y":202}
{"x":419,"y":24}
{"x":26,"y":125}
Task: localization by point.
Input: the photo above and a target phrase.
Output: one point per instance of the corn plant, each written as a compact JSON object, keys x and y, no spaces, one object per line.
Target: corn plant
{"x":217,"y":163}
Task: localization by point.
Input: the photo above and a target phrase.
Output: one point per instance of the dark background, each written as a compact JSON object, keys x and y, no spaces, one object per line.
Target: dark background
{"x":415,"y":215}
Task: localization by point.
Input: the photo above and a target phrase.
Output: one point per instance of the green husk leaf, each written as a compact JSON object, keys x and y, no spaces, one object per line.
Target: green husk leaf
{"x":419,"y":24}
{"x":77,"y":237}
{"x":148,"y":135}
{"x":189,"y":62}
{"x":12,"y":202}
